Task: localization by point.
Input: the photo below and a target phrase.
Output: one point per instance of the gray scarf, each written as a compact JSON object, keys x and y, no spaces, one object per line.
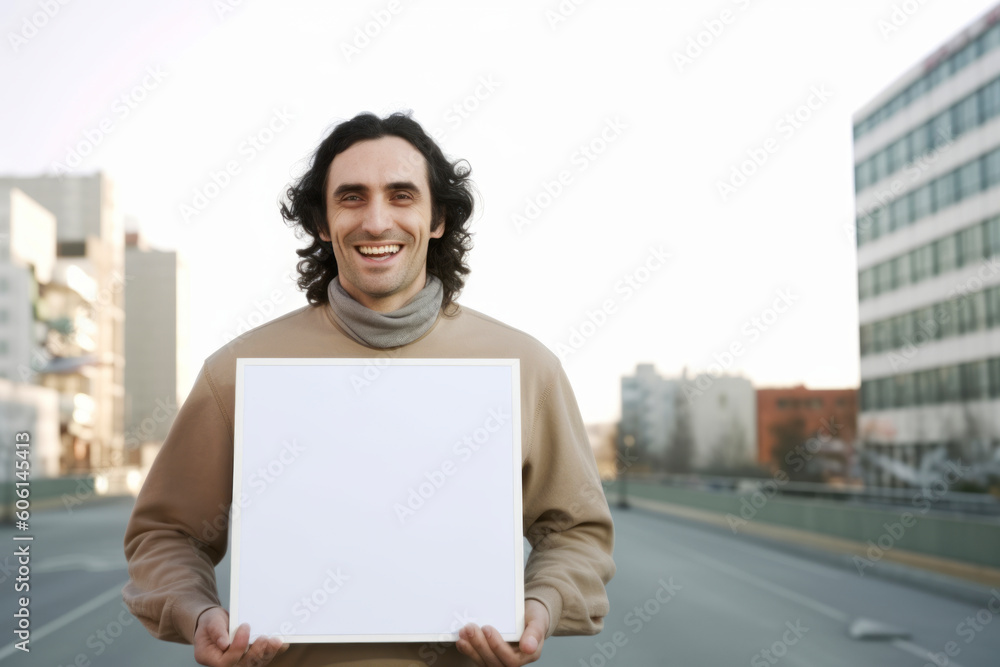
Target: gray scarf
{"x":400,"y":327}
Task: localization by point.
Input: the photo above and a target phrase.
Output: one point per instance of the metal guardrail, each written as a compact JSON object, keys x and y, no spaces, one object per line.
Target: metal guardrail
{"x":936,"y":497}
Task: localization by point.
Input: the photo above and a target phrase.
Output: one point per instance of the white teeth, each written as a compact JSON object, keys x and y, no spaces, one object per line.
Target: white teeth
{"x":378,"y":250}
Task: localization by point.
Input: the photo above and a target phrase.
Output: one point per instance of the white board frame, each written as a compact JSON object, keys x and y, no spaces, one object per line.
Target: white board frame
{"x":238,"y":515}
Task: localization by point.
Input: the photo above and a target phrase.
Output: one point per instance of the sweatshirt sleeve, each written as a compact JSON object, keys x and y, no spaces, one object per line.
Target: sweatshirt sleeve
{"x":178,"y":529}
{"x":566,"y":517}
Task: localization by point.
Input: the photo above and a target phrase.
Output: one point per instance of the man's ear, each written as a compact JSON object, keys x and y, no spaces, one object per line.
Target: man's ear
{"x":438,"y":231}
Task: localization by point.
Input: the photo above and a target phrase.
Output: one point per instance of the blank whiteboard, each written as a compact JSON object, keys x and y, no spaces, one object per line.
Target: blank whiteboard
{"x":377,"y":500}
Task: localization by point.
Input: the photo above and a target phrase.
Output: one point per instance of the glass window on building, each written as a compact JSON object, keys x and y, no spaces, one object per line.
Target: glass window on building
{"x":927,"y":387}
{"x":993,"y":371}
{"x":895,"y":332}
{"x":939,"y":73}
{"x":991,"y":170}
{"x":944,"y":191}
{"x":883,"y":335}
{"x":970,"y":311}
{"x":970,"y":245}
{"x":863,"y":226}
{"x":904,"y":390}
{"x":866,"y":284}
{"x":927,"y":324}
{"x":922,"y":262}
{"x":882,"y":221}
{"x":901,"y":210}
{"x":989,"y":99}
{"x":966,"y":55}
{"x":883,"y":278}
{"x":876,"y":394}
{"x":990,"y":39}
{"x":943,"y":128}
{"x":861,"y":176}
{"x":895,"y":104}
{"x":907,"y":331}
{"x":944,"y":315}
{"x":967,"y":115}
{"x":903,"y":270}
{"x":974,"y":380}
{"x":923,"y":202}
{"x":865,"y":339}
{"x":920,"y":141}
{"x":991,"y":236}
{"x":880,"y":165}
{"x":886,"y":393}
{"x":970,"y":179}
{"x":991,"y":296}
{"x":899,"y":154}
{"x":945,"y":254}
{"x":949,"y":384}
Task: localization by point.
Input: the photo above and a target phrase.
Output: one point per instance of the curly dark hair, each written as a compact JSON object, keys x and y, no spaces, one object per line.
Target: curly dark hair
{"x":451,"y":200}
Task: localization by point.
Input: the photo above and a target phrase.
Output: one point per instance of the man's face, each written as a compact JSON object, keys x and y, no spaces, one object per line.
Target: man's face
{"x":378,"y":213}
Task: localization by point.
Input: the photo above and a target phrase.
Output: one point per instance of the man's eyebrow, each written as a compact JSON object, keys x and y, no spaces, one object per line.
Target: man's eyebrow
{"x":402,"y":185}
{"x":349,"y":187}
{"x":344,"y":188}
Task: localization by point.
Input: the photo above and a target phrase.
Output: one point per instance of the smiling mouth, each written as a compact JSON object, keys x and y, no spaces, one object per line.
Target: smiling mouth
{"x":378,"y":251}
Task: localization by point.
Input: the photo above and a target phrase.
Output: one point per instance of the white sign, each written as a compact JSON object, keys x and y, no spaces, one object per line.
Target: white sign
{"x":377,"y":500}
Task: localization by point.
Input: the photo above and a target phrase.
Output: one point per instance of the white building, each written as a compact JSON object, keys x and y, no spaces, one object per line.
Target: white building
{"x":27,"y":256}
{"x":723,"y":420}
{"x":721,"y":412}
{"x":648,"y":412}
{"x":27,"y":407}
{"x":157,"y":371}
{"x":90,"y":236}
{"x":927,"y":181}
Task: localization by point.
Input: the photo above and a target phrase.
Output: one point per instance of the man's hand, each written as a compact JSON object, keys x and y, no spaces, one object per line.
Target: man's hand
{"x":488,"y":649}
{"x":212,"y":647}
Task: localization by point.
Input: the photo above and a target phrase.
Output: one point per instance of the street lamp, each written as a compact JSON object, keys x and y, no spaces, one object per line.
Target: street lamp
{"x":629,"y":442}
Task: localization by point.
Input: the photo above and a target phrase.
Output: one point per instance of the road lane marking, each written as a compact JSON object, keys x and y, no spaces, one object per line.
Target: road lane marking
{"x":70,"y":616}
{"x":921,"y":652}
{"x":84,"y":562}
{"x":781,"y":591}
{"x":759,"y":582}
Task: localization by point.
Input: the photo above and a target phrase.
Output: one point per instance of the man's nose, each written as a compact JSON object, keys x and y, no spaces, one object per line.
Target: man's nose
{"x":378,"y":218}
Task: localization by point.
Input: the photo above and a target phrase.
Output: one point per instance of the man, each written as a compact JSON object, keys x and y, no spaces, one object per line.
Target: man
{"x":387,"y":215}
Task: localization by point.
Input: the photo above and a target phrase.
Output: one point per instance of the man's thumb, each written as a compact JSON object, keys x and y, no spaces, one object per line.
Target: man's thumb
{"x":219,"y":633}
{"x":531,"y":638}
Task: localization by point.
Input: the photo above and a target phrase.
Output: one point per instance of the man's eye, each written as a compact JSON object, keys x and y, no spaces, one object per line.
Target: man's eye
{"x":405,"y":195}
{"x":351,"y":198}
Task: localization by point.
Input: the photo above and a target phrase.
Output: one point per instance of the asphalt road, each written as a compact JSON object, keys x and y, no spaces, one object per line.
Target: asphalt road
{"x":683,"y":595}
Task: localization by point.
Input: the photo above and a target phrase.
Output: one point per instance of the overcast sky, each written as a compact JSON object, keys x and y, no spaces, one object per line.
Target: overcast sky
{"x":628,"y":250}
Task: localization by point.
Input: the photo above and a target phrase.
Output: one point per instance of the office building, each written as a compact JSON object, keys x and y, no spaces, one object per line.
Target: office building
{"x":82,"y":312}
{"x":688,"y":423}
{"x":927,"y":181}
{"x":157,"y":372}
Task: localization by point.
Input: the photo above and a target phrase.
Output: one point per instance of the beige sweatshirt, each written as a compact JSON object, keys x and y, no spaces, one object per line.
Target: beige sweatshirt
{"x":178,"y":529}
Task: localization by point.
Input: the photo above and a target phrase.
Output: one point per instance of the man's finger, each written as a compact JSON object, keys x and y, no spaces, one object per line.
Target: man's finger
{"x":532,"y":637}
{"x":470,"y":642}
{"x":240,"y":642}
{"x":261,"y":652}
{"x":502,"y":651}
